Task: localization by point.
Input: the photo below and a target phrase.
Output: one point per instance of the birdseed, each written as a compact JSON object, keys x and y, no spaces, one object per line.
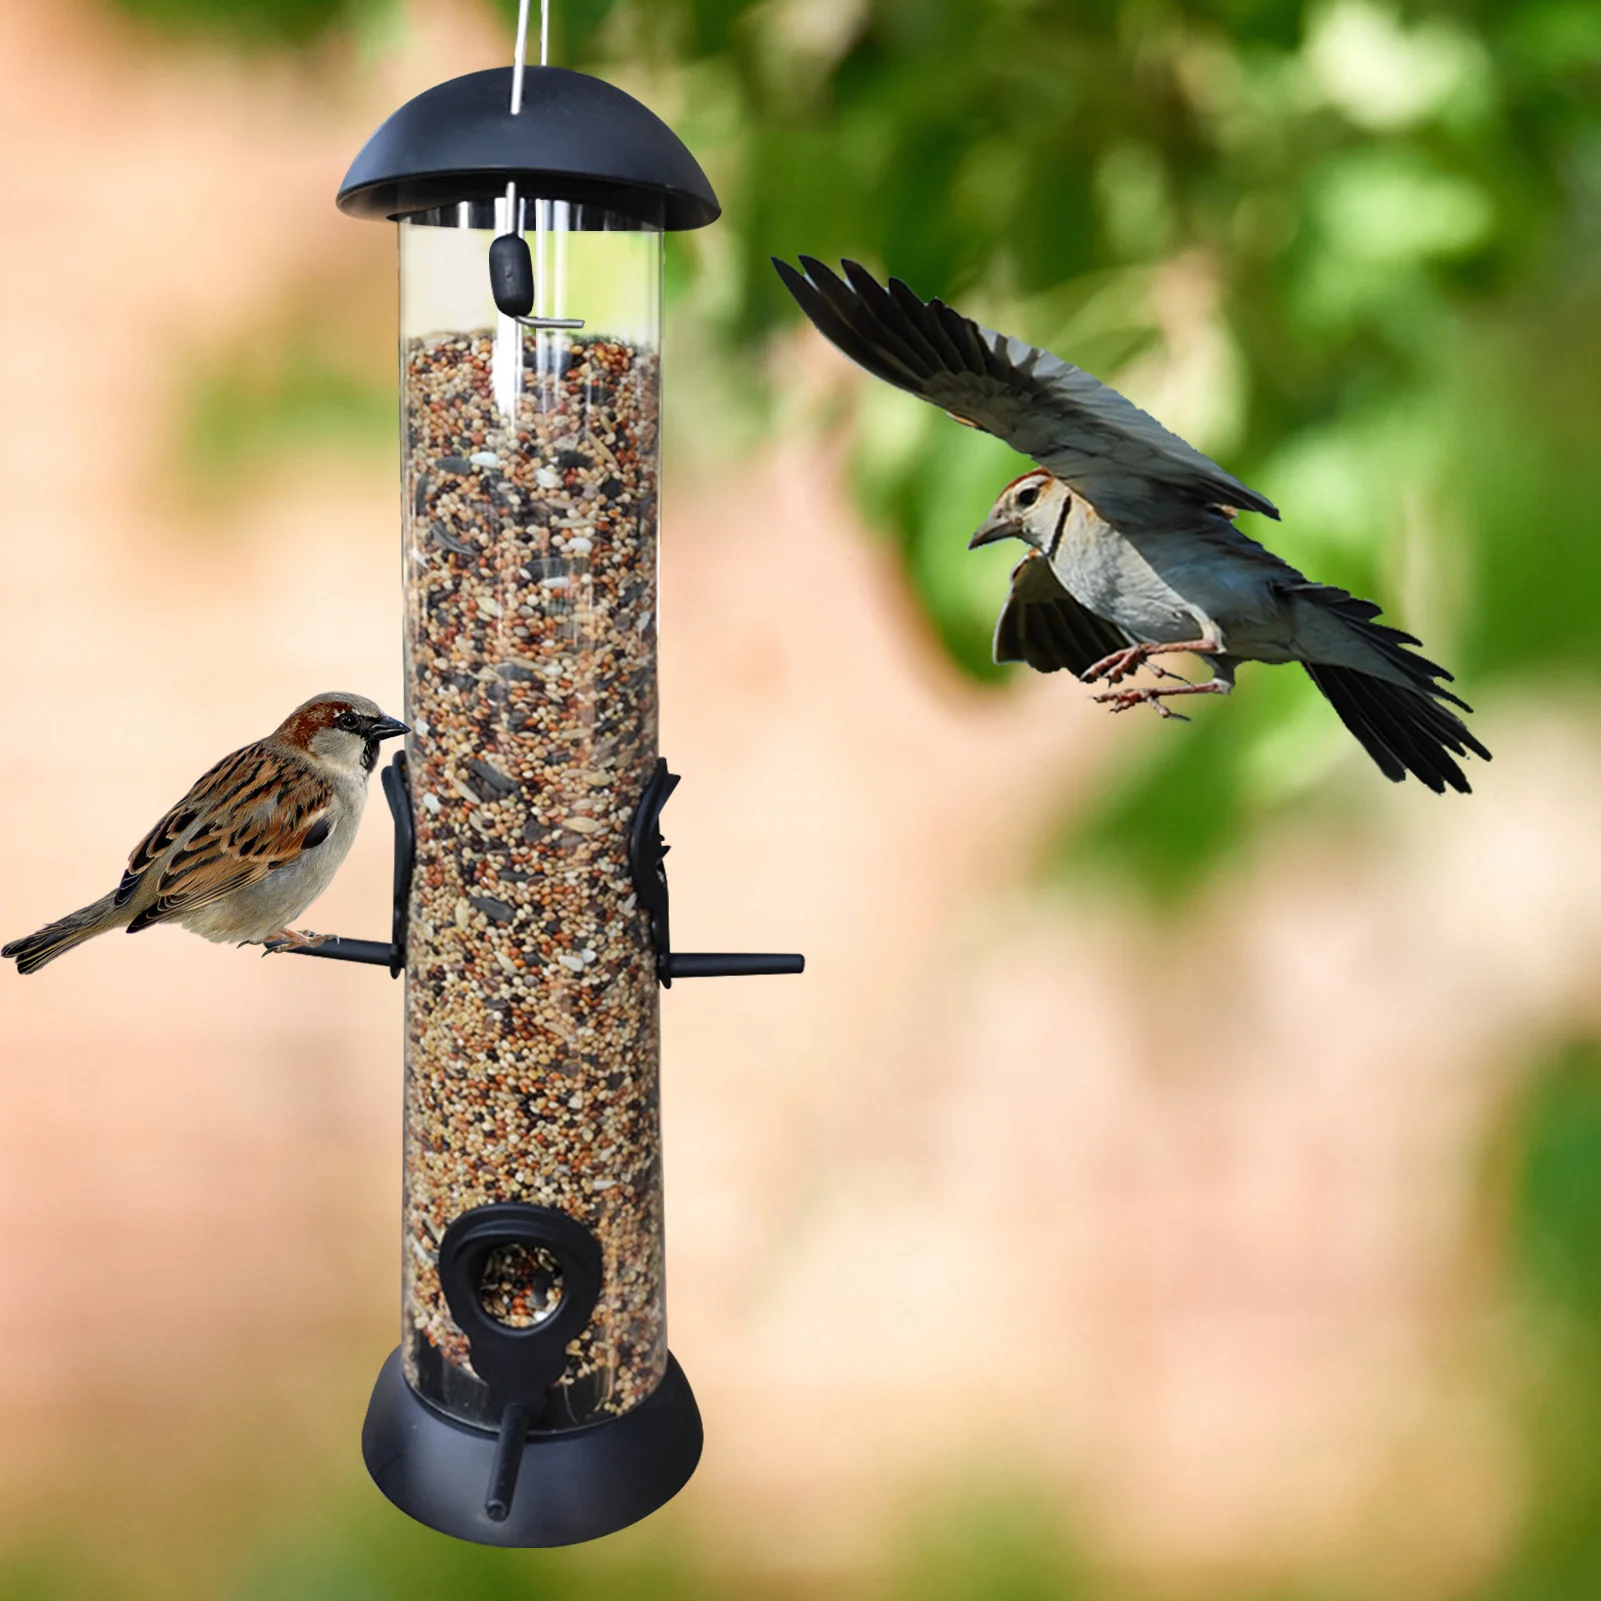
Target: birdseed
{"x":532,"y":1044}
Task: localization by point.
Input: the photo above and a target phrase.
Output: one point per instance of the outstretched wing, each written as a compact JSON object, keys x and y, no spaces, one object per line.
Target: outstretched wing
{"x":256,"y":810}
{"x":1043,"y":625}
{"x":1119,"y":458}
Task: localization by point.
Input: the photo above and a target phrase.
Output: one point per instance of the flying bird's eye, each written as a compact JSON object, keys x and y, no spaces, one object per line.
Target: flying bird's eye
{"x":1027,"y":495}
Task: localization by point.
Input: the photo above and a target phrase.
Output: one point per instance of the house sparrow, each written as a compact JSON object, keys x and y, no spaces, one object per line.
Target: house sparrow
{"x":251,"y":846}
{"x":1134,"y":549}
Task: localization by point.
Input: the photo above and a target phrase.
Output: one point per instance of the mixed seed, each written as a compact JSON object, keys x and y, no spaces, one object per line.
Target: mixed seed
{"x":532,"y":1031}
{"x":521,"y":1287}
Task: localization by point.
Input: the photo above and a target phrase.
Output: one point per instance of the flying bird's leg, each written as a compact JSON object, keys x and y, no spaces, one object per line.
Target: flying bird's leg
{"x":1123,"y":662}
{"x":1121,"y":699}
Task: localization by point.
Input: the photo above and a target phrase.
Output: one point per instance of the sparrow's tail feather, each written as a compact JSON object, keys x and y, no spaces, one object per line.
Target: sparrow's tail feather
{"x":56,"y":938}
{"x":1402,"y":727}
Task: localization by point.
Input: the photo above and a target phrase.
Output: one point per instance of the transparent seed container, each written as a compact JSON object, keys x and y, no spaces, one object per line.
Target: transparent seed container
{"x":531,"y":475}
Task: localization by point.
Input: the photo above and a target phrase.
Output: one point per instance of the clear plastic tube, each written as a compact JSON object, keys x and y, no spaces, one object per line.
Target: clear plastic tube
{"x":530,"y":473}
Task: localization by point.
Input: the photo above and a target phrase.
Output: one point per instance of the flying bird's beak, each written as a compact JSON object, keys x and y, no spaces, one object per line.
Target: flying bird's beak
{"x":386,"y":728}
{"x":996,"y":528}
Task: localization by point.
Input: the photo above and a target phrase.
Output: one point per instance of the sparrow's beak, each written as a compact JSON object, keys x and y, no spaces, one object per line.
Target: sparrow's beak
{"x":386,"y":728}
{"x":997,"y":528}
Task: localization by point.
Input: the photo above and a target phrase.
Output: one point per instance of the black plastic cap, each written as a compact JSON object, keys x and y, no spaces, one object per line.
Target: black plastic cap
{"x":576,"y":139}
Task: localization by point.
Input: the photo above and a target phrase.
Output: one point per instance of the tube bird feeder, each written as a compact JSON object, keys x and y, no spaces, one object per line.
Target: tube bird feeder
{"x":533,"y":1399}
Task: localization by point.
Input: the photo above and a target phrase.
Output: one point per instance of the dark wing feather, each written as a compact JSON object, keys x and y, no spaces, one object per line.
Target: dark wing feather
{"x":1119,"y":458}
{"x":1043,"y":625}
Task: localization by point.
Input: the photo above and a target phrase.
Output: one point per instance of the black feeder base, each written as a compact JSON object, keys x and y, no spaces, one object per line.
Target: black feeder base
{"x":573,"y":1486}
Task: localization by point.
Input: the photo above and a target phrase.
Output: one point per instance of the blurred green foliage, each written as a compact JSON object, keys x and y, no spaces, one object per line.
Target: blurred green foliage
{"x":373,"y":1553}
{"x":52,"y":1571}
{"x":983,"y":1546}
{"x":249,"y":404}
{"x":1554,"y":1229}
{"x":1556,"y":1210}
{"x":976,"y":1544}
{"x":990,"y":1546}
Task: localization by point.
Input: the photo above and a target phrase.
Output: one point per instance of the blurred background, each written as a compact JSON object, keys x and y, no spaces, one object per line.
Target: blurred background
{"x":1179,"y":1172}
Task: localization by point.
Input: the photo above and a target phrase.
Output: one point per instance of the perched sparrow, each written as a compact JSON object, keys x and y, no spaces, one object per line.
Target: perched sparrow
{"x":1135,"y":553}
{"x":251,"y":846}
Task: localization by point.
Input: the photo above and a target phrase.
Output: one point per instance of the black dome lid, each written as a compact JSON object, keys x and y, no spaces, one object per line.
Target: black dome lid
{"x":576,"y":138}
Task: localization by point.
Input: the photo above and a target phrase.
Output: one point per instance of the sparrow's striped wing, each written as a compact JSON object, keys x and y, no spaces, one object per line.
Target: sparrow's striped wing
{"x":1043,"y":625}
{"x":256,"y":810}
{"x":1119,"y":458}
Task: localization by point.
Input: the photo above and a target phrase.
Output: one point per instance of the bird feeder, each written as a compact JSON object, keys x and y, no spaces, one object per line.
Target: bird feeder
{"x":533,"y":1399}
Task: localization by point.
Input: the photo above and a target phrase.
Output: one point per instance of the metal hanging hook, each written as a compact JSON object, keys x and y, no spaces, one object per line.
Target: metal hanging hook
{"x":511,"y":280}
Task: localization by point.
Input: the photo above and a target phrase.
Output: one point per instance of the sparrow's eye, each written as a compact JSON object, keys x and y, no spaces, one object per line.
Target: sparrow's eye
{"x":347,"y":720}
{"x":1028,"y":495}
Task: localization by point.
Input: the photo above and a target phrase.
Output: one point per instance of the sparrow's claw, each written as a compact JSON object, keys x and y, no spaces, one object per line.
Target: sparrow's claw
{"x":291,"y":939}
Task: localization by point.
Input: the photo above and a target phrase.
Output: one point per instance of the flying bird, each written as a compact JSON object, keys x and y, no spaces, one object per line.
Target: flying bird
{"x":256,"y":840}
{"x":1133,"y":549}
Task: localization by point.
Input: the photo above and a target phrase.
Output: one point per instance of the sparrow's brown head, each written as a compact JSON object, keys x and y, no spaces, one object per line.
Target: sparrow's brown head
{"x":339,"y":728}
{"x":1032,"y":508}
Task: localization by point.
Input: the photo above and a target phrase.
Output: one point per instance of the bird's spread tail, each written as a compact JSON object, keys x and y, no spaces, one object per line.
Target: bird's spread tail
{"x":1404,"y":729}
{"x":55,"y":938}
{"x":1397,"y":707}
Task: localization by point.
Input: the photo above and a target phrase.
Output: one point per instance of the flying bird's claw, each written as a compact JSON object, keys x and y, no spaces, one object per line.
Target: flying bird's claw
{"x":1121,"y":663}
{"x":1121,"y":699}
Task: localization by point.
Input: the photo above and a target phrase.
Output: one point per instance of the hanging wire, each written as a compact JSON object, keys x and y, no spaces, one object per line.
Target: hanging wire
{"x":519,"y":59}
